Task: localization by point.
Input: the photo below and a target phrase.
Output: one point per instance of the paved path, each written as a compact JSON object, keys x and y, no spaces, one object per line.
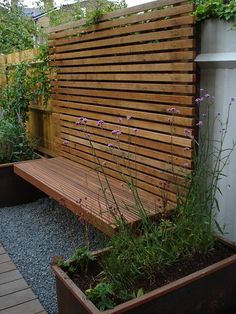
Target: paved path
{"x":15,"y":295}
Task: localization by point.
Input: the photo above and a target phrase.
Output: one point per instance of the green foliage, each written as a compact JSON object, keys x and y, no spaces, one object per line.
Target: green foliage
{"x":101,"y":7}
{"x":17,"y":31}
{"x":92,"y":13}
{"x":190,"y":230}
{"x":39,"y":82}
{"x":207,"y":9}
{"x":78,"y":261}
{"x":15,"y":94}
{"x":27,"y":83}
{"x":15,"y":144}
{"x":155,"y":246}
{"x":62,"y":16}
{"x":102,"y":295}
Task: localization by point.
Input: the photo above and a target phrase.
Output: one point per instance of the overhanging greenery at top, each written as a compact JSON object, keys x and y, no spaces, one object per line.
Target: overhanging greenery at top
{"x":223,"y":9}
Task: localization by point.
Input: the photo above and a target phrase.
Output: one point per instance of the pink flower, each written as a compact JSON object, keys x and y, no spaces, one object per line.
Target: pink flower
{"x":200,"y":123}
{"x":82,"y":120}
{"x":186,"y":148}
{"x":187,"y":132}
{"x":119,"y":120}
{"x":199,"y":100}
{"x":109,"y":145}
{"x":172,"y":110}
{"x":65,"y":142}
{"x":116,"y":132}
{"x":100,"y":123}
{"x":128,"y":118}
{"x":207,"y":95}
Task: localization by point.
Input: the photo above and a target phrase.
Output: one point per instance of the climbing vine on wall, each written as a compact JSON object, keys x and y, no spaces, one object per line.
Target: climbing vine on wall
{"x":223,"y":9}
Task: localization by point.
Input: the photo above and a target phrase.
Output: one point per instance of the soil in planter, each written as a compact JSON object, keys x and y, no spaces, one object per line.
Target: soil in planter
{"x":183,"y":268}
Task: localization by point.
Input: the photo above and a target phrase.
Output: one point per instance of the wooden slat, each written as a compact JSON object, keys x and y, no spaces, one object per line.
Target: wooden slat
{"x":130,"y":49}
{"x":9,"y":276}
{"x":2,"y":251}
{"x":118,"y":13}
{"x":30,"y":307}
{"x":7,"y":266}
{"x":16,"y":298}
{"x":4,"y":258}
{"x":145,"y":182}
{"x":134,"y":58}
{"x":130,"y":95}
{"x":69,"y":36}
{"x":142,"y":87}
{"x":140,"y":139}
{"x":13,"y":286}
{"x":187,"y":78}
{"x":139,"y":106}
{"x":85,"y":109}
{"x":136,"y":146}
{"x":152,"y":67}
{"x":135,"y":38}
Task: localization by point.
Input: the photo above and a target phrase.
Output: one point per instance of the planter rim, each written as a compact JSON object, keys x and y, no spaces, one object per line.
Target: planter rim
{"x":158,"y":292}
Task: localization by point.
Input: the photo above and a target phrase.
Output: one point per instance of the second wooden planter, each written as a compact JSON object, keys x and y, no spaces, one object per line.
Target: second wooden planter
{"x":207,"y":291}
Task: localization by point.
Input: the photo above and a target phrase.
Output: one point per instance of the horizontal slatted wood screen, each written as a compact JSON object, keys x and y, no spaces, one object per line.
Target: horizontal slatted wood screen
{"x":136,"y":62}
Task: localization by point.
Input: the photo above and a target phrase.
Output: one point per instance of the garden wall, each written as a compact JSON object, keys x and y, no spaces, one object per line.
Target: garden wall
{"x":218,"y":77}
{"x":136,"y":62}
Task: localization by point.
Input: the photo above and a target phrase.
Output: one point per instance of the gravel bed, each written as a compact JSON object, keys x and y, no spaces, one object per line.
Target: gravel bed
{"x":33,"y":233}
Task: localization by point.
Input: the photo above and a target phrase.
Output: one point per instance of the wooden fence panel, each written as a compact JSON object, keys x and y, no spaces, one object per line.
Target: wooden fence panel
{"x":137,"y":62}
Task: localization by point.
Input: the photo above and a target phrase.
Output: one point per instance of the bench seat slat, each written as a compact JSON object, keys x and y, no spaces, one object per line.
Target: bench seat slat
{"x":77,"y":188}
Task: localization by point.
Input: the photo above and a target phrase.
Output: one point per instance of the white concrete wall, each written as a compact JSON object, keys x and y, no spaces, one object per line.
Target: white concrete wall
{"x":218,"y":78}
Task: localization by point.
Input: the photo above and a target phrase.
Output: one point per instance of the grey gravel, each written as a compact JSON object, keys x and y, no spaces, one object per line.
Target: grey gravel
{"x":33,"y":233}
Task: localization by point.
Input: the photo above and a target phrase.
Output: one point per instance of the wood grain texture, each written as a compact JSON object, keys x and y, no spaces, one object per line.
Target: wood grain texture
{"x":78,"y":188}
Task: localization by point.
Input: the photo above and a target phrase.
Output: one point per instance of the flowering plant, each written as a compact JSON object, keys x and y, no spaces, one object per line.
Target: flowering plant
{"x":137,"y":255}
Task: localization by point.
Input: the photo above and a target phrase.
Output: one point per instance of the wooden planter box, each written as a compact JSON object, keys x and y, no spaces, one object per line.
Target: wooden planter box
{"x":207,"y":291}
{"x":14,"y":190}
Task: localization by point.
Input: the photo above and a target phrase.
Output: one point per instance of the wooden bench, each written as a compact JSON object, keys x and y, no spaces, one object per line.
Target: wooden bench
{"x":134,"y":63}
{"x":77,"y":188}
